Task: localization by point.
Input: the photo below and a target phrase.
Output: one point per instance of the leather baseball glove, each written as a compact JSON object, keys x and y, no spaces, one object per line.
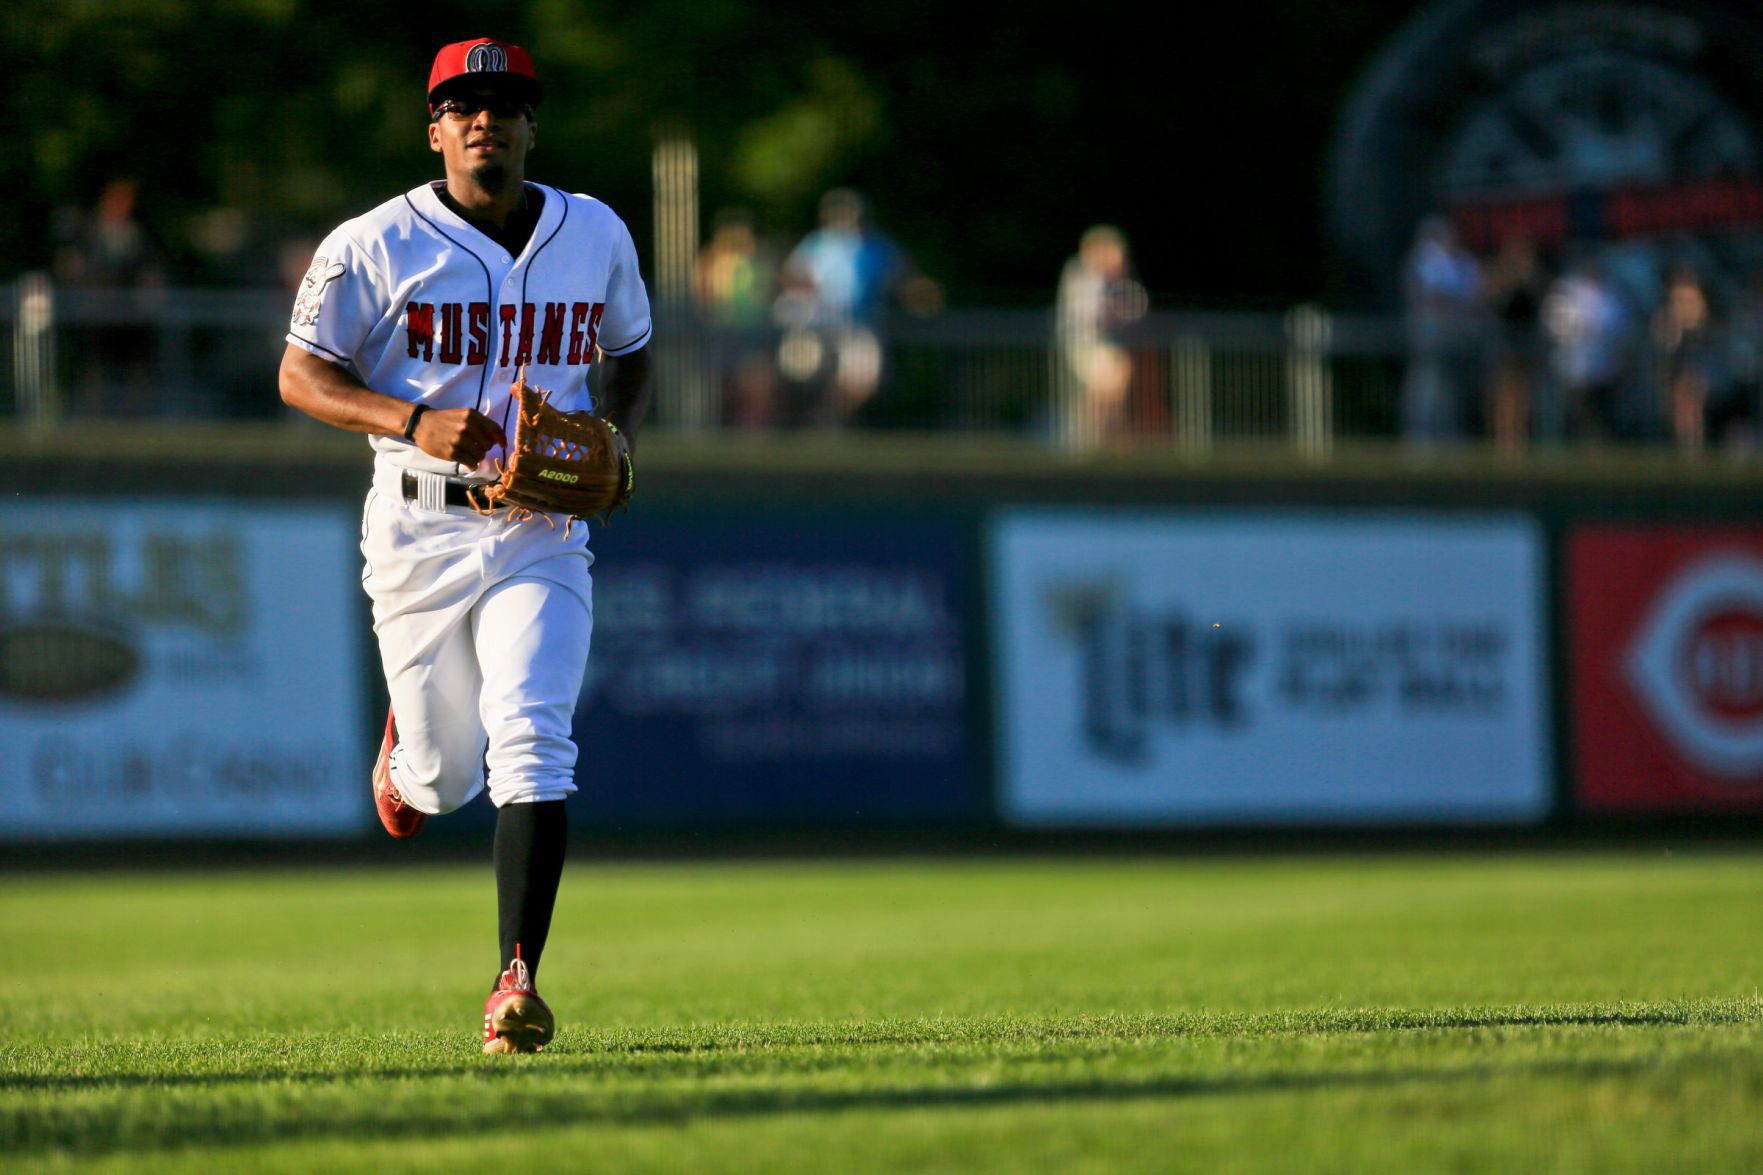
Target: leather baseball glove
{"x":571,"y":463}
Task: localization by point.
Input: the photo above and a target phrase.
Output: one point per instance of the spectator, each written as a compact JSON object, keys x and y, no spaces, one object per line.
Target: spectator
{"x":735,"y":284}
{"x":1442,"y":290}
{"x":1514,"y":285}
{"x":1097,"y":298}
{"x":838,"y":287}
{"x":1683,"y":329}
{"x":107,"y":250}
{"x":1588,"y":326}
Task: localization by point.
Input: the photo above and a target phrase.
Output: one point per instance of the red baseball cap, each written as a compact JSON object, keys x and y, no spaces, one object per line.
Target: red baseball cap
{"x":486,"y":60}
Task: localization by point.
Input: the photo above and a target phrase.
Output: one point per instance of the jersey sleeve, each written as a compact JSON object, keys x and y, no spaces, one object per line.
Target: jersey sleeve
{"x":625,"y":326}
{"x":339,"y":301}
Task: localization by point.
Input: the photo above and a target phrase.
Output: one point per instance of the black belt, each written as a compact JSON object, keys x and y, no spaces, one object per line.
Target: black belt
{"x":455,"y":493}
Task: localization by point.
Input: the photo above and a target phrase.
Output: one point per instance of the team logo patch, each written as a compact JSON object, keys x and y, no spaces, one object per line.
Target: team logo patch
{"x":488,"y":58}
{"x":1697,"y":665}
{"x":312,"y":287}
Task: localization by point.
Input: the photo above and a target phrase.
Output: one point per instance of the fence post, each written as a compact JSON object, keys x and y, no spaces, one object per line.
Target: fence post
{"x":1190,"y":361}
{"x":1070,"y":418}
{"x":177,"y":332}
{"x":1308,"y":331}
{"x":33,"y":350}
{"x":683,"y":379}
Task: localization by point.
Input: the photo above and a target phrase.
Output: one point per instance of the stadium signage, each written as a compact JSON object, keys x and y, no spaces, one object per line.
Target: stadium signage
{"x":61,"y":662}
{"x":799,"y":670}
{"x":1255,"y":668}
{"x":79,"y":602}
{"x":1671,"y":153}
{"x":178,"y":672}
{"x":1638,"y":211}
{"x":1140,"y":668}
{"x":1697,"y":665}
{"x":160,"y":575}
{"x":1667,"y":629}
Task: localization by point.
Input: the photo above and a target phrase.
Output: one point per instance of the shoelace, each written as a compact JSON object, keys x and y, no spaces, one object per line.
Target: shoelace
{"x":516,"y":978}
{"x":391,"y":789}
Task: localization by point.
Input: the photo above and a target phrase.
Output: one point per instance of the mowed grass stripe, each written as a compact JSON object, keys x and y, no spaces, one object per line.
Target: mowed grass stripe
{"x":96,"y":1061}
{"x":885,"y":1014}
{"x":365,"y":1098}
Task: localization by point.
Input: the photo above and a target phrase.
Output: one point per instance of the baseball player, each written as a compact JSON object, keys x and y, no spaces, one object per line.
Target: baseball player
{"x":411,"y":326}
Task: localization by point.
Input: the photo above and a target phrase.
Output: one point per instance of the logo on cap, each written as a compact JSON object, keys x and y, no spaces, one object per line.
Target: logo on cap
{"x":487,"y":58}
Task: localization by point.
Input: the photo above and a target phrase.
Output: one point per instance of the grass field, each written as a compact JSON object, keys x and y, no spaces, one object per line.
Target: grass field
{"x":1559,"y":1012}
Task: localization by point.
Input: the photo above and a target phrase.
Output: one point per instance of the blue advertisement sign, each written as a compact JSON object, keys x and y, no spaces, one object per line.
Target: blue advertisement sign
{"x":776,"y":672}
{"x":180,"y":668}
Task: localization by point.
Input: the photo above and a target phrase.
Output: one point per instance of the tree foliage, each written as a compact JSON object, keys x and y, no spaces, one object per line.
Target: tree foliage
{"x":987,"y":136}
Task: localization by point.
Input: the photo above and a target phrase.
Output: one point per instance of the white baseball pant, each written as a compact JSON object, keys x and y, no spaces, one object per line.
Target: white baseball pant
{"x":484,"y":626}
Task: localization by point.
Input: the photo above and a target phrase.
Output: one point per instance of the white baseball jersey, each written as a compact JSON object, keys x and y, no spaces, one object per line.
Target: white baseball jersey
{"x":483,"y":622}
{"x":420,"y":305}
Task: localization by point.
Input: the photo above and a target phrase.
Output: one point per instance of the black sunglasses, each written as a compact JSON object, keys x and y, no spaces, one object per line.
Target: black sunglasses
{"x":470,"y":107}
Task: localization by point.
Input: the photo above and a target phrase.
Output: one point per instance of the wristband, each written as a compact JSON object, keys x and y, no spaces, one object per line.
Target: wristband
{"x":630,"y":468}
{"x":410,"y":425}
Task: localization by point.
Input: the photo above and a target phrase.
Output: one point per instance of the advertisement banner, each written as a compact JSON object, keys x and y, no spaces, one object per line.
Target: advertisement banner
{"x":1667,"y":639}
{"x":785,"y":671}
{"x":175,"y":667}
{"x":1266,"y":668}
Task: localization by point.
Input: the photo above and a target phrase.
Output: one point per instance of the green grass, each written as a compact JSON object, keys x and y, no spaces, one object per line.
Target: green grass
{"x":1596,"y":1012}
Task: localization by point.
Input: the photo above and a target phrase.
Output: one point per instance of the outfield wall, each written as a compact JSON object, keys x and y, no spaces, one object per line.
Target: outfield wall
{"x":918,"y":637}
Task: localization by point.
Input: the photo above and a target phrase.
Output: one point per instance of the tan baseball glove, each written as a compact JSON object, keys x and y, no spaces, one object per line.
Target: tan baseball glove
{"x":571,"y":463}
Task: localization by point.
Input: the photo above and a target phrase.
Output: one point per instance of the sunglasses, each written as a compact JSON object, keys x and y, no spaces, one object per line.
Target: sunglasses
{"x":471,"y":107}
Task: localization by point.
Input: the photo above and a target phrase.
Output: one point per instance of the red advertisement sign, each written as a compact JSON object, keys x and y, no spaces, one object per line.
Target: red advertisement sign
{"x":1667,"y":630}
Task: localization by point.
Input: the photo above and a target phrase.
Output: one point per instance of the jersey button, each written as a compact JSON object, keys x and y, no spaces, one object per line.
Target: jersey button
{"x":507,"y":261}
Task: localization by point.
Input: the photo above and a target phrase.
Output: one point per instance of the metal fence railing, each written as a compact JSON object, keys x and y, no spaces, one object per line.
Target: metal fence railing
{"x":1308,"y":377}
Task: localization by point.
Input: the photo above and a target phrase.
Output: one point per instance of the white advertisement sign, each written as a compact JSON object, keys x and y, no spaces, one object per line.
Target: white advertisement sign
{"x":1239,"y":667}
{"x":177,"y":667}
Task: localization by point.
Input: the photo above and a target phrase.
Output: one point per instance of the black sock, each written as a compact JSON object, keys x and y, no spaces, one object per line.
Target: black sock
{"x":530,"y":842}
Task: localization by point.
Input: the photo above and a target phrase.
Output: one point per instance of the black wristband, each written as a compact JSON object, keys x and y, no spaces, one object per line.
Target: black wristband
{"x":410,"y":425}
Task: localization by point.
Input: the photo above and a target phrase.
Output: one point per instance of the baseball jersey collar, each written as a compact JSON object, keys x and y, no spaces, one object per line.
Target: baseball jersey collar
{"x":428,"y":201}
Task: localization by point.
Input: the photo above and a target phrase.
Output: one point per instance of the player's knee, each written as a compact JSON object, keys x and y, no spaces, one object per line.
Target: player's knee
{"x":531,"y":761}
{"x":435,"y":781}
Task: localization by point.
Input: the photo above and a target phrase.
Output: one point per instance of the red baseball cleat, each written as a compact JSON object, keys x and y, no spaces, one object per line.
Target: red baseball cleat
{"x":400,"y":819}
{"x":516,"y":1020}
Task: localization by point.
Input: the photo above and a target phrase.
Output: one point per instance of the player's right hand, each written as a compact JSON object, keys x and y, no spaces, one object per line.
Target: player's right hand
{"x":464,"y":435}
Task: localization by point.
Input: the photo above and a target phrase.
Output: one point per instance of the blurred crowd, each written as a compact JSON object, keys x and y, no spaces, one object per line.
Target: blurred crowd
{"x":143,"y":344}
{"x":799,"y":337}
{"x":1518,"y":346}
{"x":107,"y":248}
{"x":1590,"y":346}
